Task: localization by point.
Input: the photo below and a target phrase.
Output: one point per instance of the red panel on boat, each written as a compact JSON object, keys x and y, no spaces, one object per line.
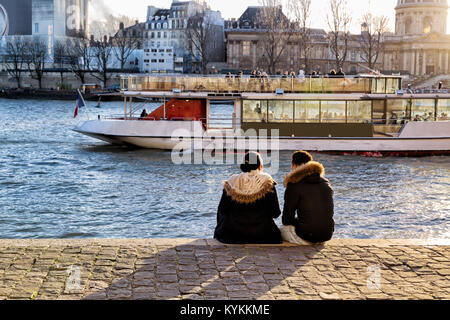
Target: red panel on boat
{"x":181,"y":110}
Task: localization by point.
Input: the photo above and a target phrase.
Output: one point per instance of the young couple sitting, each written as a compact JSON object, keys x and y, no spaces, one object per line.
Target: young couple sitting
{"x":249,"y":204}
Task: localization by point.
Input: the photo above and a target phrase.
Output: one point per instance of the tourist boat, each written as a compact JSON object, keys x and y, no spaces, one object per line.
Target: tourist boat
{"x":363,"y":114}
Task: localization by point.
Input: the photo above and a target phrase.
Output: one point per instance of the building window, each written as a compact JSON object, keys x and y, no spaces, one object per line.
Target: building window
{"x":246,"y":48}
{"x":408,"y":26}
{"x":154,"y":61}
{"x":161,"y":60}
{"x":36,"y":27}
{"x":427,"y":25}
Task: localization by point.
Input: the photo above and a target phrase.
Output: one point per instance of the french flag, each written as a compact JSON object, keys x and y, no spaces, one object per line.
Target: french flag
{"x":80,"y":104}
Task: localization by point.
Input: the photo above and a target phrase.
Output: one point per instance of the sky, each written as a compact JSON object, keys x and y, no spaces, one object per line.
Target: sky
{"x":234,"y":8}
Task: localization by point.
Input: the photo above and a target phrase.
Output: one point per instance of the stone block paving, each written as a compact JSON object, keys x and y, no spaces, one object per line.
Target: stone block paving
{"x":193,"y":269}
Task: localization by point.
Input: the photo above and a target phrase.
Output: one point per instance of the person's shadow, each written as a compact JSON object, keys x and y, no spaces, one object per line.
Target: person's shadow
{"x":206,"y":269}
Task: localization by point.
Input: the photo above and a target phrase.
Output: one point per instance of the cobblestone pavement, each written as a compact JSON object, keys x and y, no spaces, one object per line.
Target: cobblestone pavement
{"x":205,"y":269}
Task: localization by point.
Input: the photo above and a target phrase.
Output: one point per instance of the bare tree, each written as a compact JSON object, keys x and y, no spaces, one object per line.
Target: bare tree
{"x":339,"y":21}
{"x":38,"y":55}
{"x":199,"y":32}
{"x":277,"y":33}
{"x":60,"y":57}
{"x":372,"y":30}
{"x":124,"y":46}
{"x":15,"y":59}
{"x":102,"y":53}
{"x":301,"y":10}
{"x":80,"y":58}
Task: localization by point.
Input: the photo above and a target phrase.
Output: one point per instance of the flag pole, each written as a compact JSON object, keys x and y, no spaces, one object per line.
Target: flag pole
{"x":84,"y":102}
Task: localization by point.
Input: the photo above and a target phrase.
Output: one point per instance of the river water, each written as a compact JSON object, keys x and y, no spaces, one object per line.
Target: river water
{"x":55,"y":183}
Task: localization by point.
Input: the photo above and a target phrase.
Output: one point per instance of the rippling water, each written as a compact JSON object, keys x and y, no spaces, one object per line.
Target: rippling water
{"x":55,"y":183}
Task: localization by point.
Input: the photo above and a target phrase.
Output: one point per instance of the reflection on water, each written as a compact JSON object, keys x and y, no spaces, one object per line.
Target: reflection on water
{"x":55,"y":183}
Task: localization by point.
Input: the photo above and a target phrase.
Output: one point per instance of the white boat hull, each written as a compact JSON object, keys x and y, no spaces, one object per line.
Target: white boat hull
{"x":183,"y":135}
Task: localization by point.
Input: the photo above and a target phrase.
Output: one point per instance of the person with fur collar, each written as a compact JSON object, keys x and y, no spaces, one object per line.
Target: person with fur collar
{"x":248,"y":206}
{"x":308,"y":202}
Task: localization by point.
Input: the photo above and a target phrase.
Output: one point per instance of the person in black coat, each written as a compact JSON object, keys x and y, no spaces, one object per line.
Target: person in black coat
{"x":308,"y":200}
{"x":248,"y":206}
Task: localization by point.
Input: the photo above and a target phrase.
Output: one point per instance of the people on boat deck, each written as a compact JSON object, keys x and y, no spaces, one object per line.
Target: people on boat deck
{"x":308,"y":202}
{"x":332,"y":72}
{"x":143,"y":114}
{"x":248,"y":206}
{"x":341,"y":72}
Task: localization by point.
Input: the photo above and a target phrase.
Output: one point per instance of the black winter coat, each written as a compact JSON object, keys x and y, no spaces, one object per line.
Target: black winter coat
{"x":308,"y":203}
{"x":248,"y":218}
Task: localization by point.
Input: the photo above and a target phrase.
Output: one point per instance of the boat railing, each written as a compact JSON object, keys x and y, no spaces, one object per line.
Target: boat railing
{"x":215,"y":84}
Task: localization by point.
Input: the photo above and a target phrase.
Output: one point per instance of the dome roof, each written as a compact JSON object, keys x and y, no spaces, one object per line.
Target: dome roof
{"x":422,"y":3}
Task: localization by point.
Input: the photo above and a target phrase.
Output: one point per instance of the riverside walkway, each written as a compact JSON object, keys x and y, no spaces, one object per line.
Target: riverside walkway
{"x":150,"y":269}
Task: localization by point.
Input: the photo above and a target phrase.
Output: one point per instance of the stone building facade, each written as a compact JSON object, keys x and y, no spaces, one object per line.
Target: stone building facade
{"x":420,"y":45}
{"x":166,"y":47}
{"x":244,"y":49}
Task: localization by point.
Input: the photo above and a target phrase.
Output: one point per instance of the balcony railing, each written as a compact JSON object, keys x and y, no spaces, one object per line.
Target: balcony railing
{"x":155,"y":83}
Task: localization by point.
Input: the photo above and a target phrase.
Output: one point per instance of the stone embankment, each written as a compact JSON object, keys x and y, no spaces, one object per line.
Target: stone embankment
{"x":205,"y":269}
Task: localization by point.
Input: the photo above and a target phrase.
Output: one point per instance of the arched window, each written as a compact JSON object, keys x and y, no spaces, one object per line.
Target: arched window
{"x":427,"y":25}
{"x":408,"y":26}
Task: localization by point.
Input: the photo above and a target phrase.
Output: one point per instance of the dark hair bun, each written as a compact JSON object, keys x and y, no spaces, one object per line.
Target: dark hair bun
{"x":252,"y":161}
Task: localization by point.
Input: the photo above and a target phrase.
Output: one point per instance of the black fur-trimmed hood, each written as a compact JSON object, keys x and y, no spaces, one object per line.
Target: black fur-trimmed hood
{"x":304,"y":171}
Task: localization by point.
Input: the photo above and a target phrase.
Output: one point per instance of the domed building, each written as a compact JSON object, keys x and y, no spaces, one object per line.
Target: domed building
{"x":420,"y":45}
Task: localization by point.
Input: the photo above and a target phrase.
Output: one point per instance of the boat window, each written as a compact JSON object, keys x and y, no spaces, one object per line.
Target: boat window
{"x":307,"y":111}
{"x":443,"y":110}
{"x":254,"y":111}
{"x":423,"y":110}
{"x":281,"y":111}
{"x":359,"y":111}
{"x":379,"y":112}
{"x":398,"y":111}
{"x":332,"y":111}
{"x":379,"y":85}
{"x":392,"y":85}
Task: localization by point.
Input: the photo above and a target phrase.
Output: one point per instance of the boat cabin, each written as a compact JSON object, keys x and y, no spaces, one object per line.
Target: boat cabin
{"x":359,"y":106}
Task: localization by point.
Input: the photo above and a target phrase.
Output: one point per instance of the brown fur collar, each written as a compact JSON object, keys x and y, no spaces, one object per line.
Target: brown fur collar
{"x":304,"y":171}
{"x":247,"y":188}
